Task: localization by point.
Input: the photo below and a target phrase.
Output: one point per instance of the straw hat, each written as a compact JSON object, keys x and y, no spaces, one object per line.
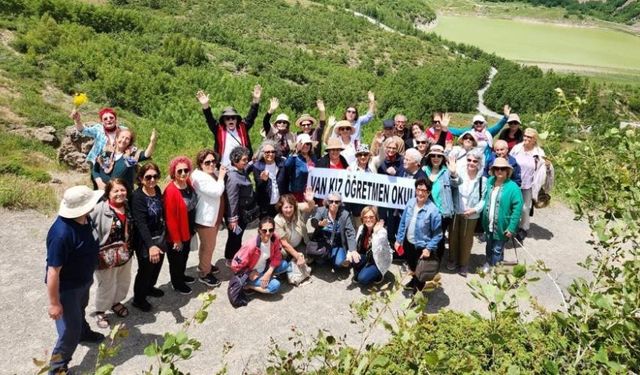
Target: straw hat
{"x":334,"y":144}
{"x":230,"y":112}
{"x":343,"y":124}
{"x":501,"y":163}
{"x":78,"y":200}
{"x":305,"y":117}
{"x":436,"y":150}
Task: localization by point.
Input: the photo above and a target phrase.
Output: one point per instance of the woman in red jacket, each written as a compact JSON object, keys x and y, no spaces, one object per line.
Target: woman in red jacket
{"x":180,"y":209}
{"x":262,"y":259}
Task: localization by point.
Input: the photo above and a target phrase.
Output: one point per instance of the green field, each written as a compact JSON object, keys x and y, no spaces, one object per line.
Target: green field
{"x":561,"y":47}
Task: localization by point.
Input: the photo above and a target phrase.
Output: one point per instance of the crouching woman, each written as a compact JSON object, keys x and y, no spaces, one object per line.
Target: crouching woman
{"x":262,"y":259}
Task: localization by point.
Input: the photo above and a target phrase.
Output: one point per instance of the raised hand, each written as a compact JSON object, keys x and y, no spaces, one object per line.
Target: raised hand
{"x":222,"y":172}
{"x":506,"y":110}
{"x":203,"y":98}
{"x":273,"y":105}
{"x":320,"y":105}
{"x":371,"y":96}
{"x":451,"y":165}
{"x":308,"y":194}
{"x":445,"y":120}
{"x":154,"y":136}
{"x":257,"y":93}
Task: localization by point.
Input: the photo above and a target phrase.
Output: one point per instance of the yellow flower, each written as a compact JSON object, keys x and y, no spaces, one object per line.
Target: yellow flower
{"x":79,"y":99}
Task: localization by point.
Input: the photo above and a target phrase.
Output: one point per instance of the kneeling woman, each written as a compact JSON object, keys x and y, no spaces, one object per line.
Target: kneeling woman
{"x":420,"y":230}
{"x":262,"y":259}
{"x":372,"y":256}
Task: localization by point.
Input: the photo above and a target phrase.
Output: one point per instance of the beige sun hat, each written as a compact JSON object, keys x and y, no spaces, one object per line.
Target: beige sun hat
{"x":283,"y":117}
{"x":303,"y":138}
{"x":436,"y":150}
{"x":343,"y":124}
{"x":78,"y":200}
{"x":501,"y":163}
{"x":514,"y":118}
{"x":468,"y":133}
{"x":334,"y":144}
{"x":305,"y":117}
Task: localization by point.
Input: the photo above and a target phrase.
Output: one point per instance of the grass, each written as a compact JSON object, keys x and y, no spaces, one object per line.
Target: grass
{"x":21,"y":193}
{"x":575,"y":48}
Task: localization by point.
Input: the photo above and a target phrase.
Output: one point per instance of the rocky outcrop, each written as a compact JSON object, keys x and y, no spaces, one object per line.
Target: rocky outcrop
{"x":74,"y":149}
{"x":45,"y":134}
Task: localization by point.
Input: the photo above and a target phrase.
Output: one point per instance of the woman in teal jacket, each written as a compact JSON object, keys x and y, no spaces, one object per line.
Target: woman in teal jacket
{"x":501,"y":212}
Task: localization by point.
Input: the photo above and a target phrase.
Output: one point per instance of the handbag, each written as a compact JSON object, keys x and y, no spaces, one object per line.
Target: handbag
{"x":248,"y":210}
{"x":297,"y":274}
{"x":113,"y":255}
{"x":427,"y":269}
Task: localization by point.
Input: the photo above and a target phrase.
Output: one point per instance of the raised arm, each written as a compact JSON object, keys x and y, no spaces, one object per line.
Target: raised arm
{"x":255,"y":104}
{"x":77,"y":120}
{"x":362,"y":120}
{"x":266,"y":121}
{"x":152,"y":144}
{"x":495,"y":129}
{"x":203,"y":98}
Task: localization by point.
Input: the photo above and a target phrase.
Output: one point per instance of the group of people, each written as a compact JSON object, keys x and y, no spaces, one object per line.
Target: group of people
{"x":491,"y":175}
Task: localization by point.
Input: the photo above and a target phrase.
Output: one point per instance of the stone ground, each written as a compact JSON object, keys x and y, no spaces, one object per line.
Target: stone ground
{"x":321,"y":303}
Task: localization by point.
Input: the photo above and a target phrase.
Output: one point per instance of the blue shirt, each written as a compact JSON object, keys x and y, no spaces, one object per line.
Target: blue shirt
{"x":71,"y":245}
{"x":97,"y":132}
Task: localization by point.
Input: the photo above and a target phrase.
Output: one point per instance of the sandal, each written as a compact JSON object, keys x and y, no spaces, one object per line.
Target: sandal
{"x":120,"y":310}
{"x":101,"y":320}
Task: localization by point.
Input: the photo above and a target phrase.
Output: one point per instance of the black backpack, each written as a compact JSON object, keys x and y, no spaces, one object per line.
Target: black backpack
{"x":235,"y":292}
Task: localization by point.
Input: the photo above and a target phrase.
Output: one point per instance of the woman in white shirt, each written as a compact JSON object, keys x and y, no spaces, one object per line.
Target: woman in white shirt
{"x":208,"y":183}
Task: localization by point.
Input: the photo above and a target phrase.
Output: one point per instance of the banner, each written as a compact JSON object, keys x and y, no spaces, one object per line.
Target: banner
{"x":363,"y":188}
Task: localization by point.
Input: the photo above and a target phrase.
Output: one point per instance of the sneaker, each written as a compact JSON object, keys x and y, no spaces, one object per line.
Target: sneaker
{"x":92,"y":337}
{"x":143,"y":305}
{"x":451,"y":266}
{"x":214,"y":270}
{"x":209,"y":280}
{"x":155,"y":292}
{"x":189,"y":279}
{"x":183,"y":289}
{"x":463,"y":271}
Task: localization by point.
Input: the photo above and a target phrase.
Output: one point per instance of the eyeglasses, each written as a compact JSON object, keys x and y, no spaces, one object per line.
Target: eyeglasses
{"x":208,"y":162}
{"x":334,"y":202}
{"x":351,"y":111}
{"x":467,"y":139}
{"x":183,"y":171}
{"x":422,"y":190}
{"x":472,"y":161}
{"x":500,"y":169}
{"x":436,"y":156}
{"x":306,"y":124}
{"x":150,"y":177}
{"x":369,"y":217}
{"x":267,"y":230}
{"x":421,"y":142}
{"x":108,"y":118}
{"x":269,"y":152}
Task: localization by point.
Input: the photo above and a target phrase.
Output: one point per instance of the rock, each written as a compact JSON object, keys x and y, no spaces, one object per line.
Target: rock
{"x":74,"y":148}
{"x":45,"y":134}
{"x":56,"y":181}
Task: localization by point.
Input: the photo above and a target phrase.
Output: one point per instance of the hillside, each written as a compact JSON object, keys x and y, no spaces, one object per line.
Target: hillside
{"x":623,"y":11}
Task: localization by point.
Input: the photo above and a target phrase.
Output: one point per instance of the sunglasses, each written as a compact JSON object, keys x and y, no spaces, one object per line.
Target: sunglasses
{"x":513,"y":123}
{"x":421,"y":142}
{"x":334,"y":202}
{"x":391,"y":148}
{"x":281,"y":122}
{"x":467,"y":139}
{"x":306,"y":124}
{"x":267,"y":230}
{"x":362,"y":155}
{"x":343,"y":129}
{"x":500,"y":169}
{"x":472,"y":161}
{"x":150,"y":177}
{"x":437,"y":156}
{"x":108,"y":118}
{"x":183,"y":171}
{"x":369,"y":218}
{"x":435,"y":122}
{"x":478,"y":123}
{"x":208,"y":162}
{"x":269,"y":152}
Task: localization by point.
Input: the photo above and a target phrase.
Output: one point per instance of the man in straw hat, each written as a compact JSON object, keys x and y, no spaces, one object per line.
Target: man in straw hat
{"x":230,"y":130}
{"x":501,"y":212}
{"x":72,"y":256}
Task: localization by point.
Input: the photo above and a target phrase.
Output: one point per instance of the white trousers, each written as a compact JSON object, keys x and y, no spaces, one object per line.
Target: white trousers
{"x":525,"y":219}
{"x":113,"y":285}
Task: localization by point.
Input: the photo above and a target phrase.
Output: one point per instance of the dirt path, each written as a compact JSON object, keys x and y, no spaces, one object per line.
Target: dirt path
{"x":481,"y":107}
{"x":322,"y":303}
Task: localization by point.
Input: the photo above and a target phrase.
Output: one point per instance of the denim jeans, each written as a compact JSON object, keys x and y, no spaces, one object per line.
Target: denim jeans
{"x":338,"y":255}
{"x":274,"y":284}
{"x":494,"y":250}
{"x":366,"y":274}
{"x":71,"y":326}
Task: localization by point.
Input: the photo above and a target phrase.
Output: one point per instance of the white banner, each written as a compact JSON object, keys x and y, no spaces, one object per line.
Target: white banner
{"x":364,"y":188}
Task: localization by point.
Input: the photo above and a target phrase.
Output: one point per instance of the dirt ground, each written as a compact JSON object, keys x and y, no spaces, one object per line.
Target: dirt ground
{"x":319,"y":304}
